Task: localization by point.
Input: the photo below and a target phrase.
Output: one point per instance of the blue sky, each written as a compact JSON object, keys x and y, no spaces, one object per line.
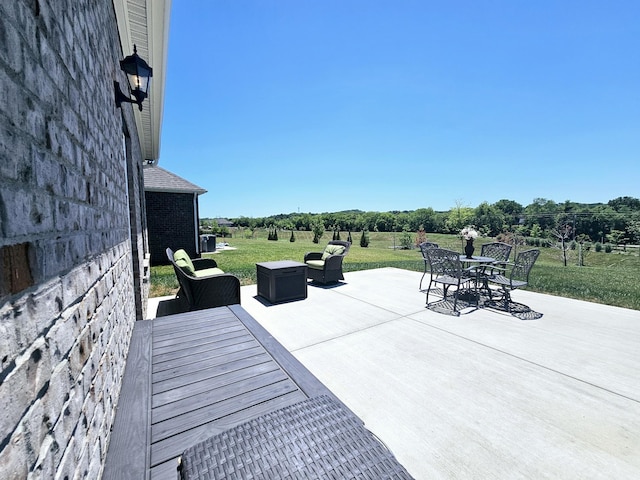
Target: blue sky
{"x":279,"y":106}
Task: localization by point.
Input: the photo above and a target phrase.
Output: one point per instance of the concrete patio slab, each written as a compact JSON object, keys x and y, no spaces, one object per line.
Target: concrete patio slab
{"x":482,"y":395}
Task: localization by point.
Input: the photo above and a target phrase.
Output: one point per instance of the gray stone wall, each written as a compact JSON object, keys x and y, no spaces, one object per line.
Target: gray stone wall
{"x":68,"y":298}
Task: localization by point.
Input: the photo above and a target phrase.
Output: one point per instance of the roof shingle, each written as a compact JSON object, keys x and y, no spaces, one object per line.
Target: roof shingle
{"x":157,"y":179}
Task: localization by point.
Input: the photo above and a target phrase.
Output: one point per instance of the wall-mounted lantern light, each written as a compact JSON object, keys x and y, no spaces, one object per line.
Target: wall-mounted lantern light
{"x":139,"y":75}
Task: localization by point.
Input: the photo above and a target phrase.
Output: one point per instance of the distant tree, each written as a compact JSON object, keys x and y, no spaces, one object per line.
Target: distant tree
{"x":634,"y":230}
{"x":425,"y":218}
{"x":584,"y":244}
{"x":536,"y":230}
{"x":405,"y":240}
{"x":458,"y":217}
{"x":510,"y":208}
{"x":625,"y":204}
{"x":364,"y":239}
{"x":317,"y":227}
{"x":489,"y":219}
{"x":616,"y":237}
{"x":421,"y":236}
{"x":563,"y":232}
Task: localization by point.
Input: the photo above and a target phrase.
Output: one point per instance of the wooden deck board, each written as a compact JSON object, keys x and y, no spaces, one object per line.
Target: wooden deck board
{"x":202,"y":373}
{"x":130,"y":432}
{"x":226,"y":338}
{"x":253,"y":356}
{"x":216,"y":392}
{"x":211,"y":350}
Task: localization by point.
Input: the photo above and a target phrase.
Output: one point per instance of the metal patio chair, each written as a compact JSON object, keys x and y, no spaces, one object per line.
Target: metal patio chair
{"x":446,"y":269}
{"x":515,"y":276}
{"x":423,"y":249}
{"x":497,"y":250}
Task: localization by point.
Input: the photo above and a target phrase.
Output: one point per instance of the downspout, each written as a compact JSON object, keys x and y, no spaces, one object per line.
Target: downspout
{"x":196,"y":222}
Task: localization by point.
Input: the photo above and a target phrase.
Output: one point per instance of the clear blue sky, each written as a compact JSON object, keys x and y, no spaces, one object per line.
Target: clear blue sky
{"x":279,"y":106}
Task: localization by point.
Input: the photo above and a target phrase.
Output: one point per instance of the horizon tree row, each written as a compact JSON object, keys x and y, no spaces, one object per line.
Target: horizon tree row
{"x":617,"y":221}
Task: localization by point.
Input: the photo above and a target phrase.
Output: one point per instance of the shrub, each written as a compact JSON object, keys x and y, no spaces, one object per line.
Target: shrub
{"x":364,"y":239}
{"x":293,"y":237}
{"x":405,"y":240}
{"x":608,"y":248}
{"x":421,"y":236}
{"x":598,"y":247}
{"x":317,"y":228}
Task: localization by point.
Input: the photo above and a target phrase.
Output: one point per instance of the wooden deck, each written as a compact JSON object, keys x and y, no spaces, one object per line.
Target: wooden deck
{"x":192,"y":375}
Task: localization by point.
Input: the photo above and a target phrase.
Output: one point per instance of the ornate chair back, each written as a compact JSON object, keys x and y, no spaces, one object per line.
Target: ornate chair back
{"x":424,"y":246}
{"x":444,"y":263}
{"x":523,"y":265}
{"x":498,"y":250}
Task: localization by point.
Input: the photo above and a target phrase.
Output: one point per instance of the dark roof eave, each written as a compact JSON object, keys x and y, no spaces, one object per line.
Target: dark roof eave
{"x":174,"y":190}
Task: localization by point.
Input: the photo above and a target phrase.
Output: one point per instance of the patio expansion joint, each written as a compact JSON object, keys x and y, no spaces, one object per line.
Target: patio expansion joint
{"x":400,"y":316}
{"x":522,"y":359}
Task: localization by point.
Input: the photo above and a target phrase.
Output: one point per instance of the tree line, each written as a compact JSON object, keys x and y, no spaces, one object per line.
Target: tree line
{"x":617,"y":221}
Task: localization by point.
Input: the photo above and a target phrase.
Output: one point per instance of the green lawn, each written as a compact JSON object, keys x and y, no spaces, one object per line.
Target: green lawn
{"x":608,"y":278}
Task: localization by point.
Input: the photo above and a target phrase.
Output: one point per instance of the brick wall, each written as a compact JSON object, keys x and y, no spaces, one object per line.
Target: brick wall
{"x":171,"y":223}
{"x":68,"y":276}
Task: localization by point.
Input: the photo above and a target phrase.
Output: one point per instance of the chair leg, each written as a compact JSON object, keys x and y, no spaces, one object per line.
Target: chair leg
{"x":507,"y":299}
{"x":425,"y":272}
{"x":428,"y":289}
{"x":455,"y":301}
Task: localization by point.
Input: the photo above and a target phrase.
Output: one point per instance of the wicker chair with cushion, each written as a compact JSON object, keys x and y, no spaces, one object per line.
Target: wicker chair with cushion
{"x":446,"y":269}
{"x":515,"y":277}
{"x":423,"y":249}
{"x":202,"y":283}
{"x":326,"y":267}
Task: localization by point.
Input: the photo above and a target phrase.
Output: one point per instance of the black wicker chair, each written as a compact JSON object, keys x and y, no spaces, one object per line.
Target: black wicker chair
{"x":326,"y":267}
{"x":516,"y":277}
{"x":423,"y":249}
{"x":446,"y":269}
{"x":212,"y":290}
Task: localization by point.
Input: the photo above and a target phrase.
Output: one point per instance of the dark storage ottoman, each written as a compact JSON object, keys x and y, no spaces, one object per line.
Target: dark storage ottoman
{"x":282,"y":280}
{"x":315,"y":439}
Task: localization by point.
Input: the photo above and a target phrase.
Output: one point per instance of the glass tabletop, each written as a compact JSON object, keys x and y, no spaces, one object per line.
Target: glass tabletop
{"x":477,"y":259}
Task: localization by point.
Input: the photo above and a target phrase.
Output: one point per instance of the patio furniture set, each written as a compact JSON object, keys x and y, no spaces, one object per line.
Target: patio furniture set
{"x":204,"y":285}
{"x":473,"y":277}
{"x":311,"y":435}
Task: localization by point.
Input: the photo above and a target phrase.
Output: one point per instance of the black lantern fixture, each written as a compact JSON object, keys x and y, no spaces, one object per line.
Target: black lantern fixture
{"x":139,"y":75}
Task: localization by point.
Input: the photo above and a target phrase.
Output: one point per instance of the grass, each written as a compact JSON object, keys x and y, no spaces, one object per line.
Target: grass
{"x":607,"y":278}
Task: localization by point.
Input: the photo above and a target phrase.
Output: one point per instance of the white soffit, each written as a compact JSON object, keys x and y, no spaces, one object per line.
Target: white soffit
{"x":145,"y":23}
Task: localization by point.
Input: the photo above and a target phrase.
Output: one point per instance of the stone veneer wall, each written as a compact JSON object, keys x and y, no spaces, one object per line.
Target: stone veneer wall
{"x":67,"y":268}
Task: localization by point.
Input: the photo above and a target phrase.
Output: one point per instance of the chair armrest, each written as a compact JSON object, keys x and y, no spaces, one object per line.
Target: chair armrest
{"x":202,"y":263}
{"x":313,"y":256}
{"x":333,"y":262}
{"x":215,"y":291}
